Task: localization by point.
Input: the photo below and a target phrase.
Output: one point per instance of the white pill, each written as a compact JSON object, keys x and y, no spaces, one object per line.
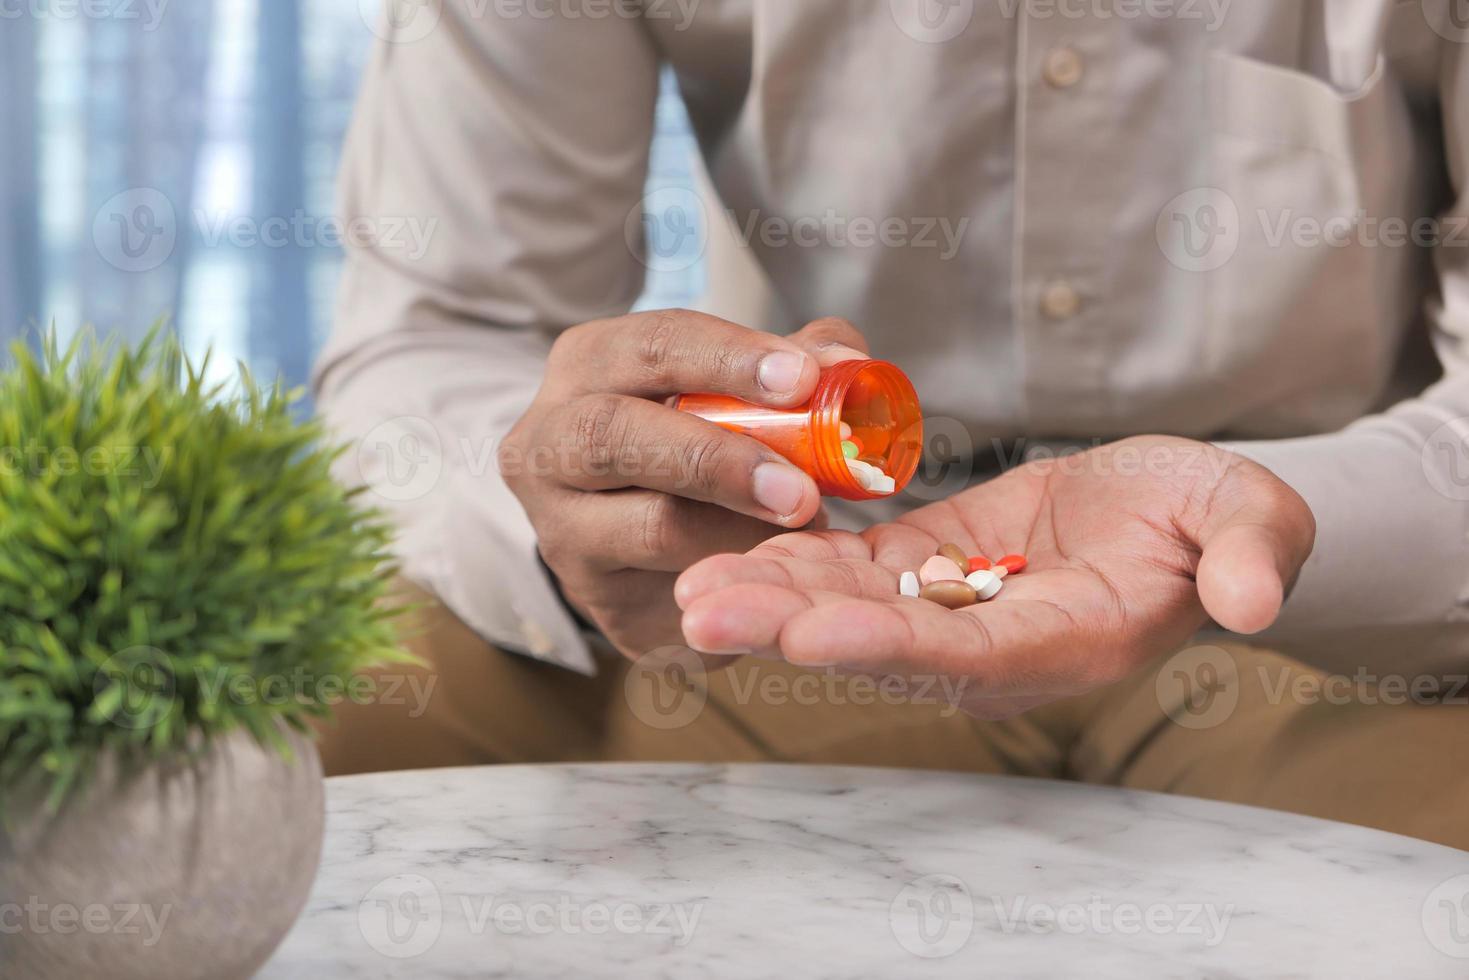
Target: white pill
{"x":846,"y":432}
{"x":884,"y":484}
{"x":908,"y":585}
{"x":986,"y":583}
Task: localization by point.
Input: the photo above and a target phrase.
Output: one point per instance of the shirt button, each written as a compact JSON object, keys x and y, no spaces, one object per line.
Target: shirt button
{"x":1060,"y":301}
{"x":1064,"y":67}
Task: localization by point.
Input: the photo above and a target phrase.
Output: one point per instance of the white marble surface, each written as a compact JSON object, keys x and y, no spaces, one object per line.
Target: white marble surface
{"x":757,"y":871}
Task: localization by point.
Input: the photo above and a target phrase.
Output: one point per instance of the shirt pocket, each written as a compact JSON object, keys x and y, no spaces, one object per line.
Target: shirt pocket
{"x":1305,"y":174}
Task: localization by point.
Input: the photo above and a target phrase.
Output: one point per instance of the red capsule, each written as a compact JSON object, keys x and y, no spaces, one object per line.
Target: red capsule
{"x":1014,"y":563}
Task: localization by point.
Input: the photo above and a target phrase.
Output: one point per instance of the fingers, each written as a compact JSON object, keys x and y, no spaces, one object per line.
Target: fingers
{"x":742,"y":619}
{"x":1254,"y":544}
{"x":669,"y":352}
{"x":641,"y":529}
{"x":790,"y":561}
{"x":609,"y":442}
{"x":1005,"y":649}
{"x":831,"y":340}
{"x":850,"y":577}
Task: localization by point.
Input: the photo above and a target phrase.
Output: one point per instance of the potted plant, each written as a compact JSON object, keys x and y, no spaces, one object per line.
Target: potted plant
{"x":183,"y":587}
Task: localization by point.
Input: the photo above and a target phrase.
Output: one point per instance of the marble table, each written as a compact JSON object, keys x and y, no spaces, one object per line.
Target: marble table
{"x":755,"y":871}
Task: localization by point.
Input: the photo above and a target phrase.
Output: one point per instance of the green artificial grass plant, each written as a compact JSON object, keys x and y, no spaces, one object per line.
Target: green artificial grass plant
{"x":175,"y":560}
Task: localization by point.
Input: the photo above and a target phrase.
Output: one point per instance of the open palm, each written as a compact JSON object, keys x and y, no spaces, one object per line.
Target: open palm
{"x":1132,"y":547}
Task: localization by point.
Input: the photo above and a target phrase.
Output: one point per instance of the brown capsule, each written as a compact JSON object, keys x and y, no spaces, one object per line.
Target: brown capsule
{"x":956,"y":555}
{"x":950,"y":595}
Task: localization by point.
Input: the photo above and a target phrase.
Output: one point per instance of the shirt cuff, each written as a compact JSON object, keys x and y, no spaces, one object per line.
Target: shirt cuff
{"x":1388,"y":581}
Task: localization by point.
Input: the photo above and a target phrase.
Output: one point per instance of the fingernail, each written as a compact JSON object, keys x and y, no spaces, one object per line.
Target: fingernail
{"x":779,"y":488}
{"x":780,"y":373}
{"x":836,"y":353}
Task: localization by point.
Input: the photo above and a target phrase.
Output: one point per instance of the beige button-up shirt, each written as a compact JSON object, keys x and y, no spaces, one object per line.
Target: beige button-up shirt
{"x":1066,"y":219}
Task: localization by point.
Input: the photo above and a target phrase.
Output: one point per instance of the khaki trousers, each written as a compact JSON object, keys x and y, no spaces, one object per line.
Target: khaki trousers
{"x":1228,"y":723}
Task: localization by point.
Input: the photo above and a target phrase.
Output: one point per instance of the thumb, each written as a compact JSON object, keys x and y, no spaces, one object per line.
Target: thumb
{"x":831,"y":340}
{"x":1253,"y":551}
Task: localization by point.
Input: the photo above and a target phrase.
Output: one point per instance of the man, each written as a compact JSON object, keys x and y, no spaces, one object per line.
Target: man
{"x":1232,"y":222}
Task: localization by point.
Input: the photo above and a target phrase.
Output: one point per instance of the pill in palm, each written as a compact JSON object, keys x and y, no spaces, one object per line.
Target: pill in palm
{"x":1013,"y":563}
{"x":999,"y":571}
{"x":985,"y":583}
{"x":980,"y":564}
{"x":908,"y":585}
{"x":950,"y":594}
{"x":939,"y":569}
{"x":956,"y":555}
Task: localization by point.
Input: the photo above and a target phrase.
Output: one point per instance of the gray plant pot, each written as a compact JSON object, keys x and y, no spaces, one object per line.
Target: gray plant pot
{"x":191,"y":868}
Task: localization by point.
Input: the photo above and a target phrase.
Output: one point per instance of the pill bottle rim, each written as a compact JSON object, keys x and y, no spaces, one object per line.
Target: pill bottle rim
{"x":827,"y":403}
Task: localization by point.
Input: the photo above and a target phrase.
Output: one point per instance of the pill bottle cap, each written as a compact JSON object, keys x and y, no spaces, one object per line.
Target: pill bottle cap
{"x":874,"y":398}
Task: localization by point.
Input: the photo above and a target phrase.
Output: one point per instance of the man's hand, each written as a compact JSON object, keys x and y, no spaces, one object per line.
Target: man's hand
{"x":625,"y":492}
{"x":1131,"y":546}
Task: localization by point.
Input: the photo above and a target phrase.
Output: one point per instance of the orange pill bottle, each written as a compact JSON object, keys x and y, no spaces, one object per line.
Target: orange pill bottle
{"x":875,"y":398}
